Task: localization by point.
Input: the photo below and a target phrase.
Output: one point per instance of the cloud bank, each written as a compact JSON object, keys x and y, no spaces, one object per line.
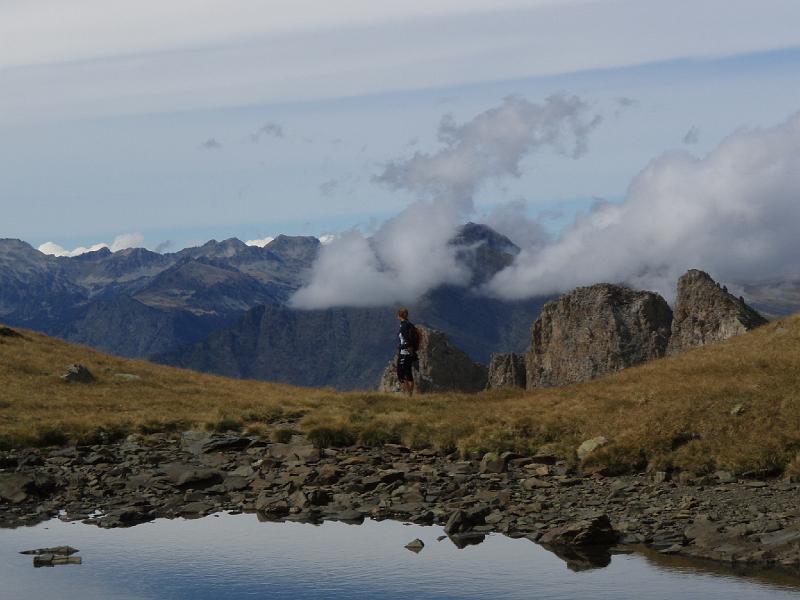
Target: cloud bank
{"x":410,"y":254}
{"x":121,"y":242}
{"x":734,"y":212}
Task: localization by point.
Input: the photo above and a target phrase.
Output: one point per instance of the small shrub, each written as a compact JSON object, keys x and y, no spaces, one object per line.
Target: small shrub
{"x":283,"y":436}
{"x":225,"y":424}
{"x":149,"y":427}
{"x":617,"y":459}
{"x":376,"y":437}
{"x":50,"y":436}
{"x":331,"y":437}
{"x":104,"y":435}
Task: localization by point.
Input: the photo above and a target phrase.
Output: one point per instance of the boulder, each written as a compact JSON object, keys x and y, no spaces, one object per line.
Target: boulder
{"x":706,"y":313}
{"x":493,"y":463}
{"x":589,"y":446}
{"x":596,"y":330}
{"x":415,"y":545}
{"x":596,"y":531}
{"x":9,"y":333}
{"x":462,"y":521}
{"x":186,"y":475}
{"x":507,"y":371}
{"x":442,"y":368}
{"x":16,"y":488}
{"x":77,"y":373}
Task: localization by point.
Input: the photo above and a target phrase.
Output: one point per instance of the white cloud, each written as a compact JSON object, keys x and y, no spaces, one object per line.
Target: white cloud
{"x":56,"y":250}
{"x":326,"y":239}
{"x":127,"y":240}
{"x":512,"y":220}
{"x":121,"y":242}
{"x":260,"y":243}
{"x":734,"y":213}
{"x":411,"y":254}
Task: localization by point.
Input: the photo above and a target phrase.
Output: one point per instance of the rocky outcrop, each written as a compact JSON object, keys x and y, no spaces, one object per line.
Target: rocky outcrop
{"x":78,"y":373}
{"x":507,"y":371}
{"x":442,"y":368}
{"x":596,"y":330}
{"x":706,"y":313}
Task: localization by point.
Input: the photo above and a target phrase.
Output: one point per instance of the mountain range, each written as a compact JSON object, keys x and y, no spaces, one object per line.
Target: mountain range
{"x":222,"y":308}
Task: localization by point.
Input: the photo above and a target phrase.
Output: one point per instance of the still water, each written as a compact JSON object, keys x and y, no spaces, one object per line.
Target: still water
{"x":236,"y":556}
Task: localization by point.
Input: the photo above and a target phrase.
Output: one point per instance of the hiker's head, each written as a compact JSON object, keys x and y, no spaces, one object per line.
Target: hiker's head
{"x":402,"y":313}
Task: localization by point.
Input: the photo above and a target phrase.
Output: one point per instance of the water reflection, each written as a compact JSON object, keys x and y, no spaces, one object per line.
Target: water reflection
{"x":235,"y":556}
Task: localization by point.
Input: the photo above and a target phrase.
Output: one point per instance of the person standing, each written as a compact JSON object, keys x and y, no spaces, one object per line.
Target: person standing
{"x":406,"y":351}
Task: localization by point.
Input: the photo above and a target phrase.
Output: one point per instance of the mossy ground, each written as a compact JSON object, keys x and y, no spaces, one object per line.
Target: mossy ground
{"x":734,"y":405}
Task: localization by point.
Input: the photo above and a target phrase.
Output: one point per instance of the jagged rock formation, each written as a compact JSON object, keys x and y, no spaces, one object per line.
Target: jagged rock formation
{"x":596,"y":330}
{"x":442,"y":368}
{"x":507,"y":371}
{"x":706,"y":313}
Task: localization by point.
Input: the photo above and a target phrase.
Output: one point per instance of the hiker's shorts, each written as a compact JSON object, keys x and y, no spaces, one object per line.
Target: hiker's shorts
{"x":405,"y":363}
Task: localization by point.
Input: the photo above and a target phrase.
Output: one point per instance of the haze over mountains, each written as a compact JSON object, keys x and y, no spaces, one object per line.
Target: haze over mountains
{"x":223,"y":307}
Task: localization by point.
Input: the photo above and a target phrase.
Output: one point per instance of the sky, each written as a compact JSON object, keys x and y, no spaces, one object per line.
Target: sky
{"x":168,"y":124}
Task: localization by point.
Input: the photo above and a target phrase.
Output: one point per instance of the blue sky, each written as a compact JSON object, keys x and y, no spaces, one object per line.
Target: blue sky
{"x":107,"y":119}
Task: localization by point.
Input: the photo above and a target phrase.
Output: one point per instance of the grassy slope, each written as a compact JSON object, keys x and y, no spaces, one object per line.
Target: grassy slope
{"x":673,"y":412}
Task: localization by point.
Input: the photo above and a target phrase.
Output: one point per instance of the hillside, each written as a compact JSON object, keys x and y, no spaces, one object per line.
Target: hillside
{"x":733,"y":405}
{"x":347,"y":348}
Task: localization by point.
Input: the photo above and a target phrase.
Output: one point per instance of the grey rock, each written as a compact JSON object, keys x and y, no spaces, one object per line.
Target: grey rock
{"x":415,"y":546}
{"x":15,"y":487}
{"x":461,"y":521}
{"x":493,"y":463}
{"x":596,"y":330}
{"x":590,"y":446}
{"x":190,"y":476}
{"x":7,"y":332}
{"x":706,"y":313}
{"x":442,"y":368}
{"x":507,"y":371}
{"x":127,"y":377}
{"x":77,"y":373}
{"x":588,"y":532}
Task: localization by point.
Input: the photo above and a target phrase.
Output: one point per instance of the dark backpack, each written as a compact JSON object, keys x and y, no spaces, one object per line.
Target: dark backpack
{"x":417,"y":335}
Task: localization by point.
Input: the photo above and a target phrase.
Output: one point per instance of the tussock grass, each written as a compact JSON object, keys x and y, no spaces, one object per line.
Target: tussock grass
{"x":673,"y":413}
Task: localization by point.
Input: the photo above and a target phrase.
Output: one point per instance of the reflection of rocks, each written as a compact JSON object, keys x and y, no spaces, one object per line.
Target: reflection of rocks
{"x":463,"y":540}
{"x":583,"y":558}
{"x":51,"y":557}
{"x":539,"y":497}
{"x":51,"y":560}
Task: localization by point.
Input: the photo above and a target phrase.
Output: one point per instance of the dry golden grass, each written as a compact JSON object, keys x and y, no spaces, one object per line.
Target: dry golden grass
{"x":672,"y":413}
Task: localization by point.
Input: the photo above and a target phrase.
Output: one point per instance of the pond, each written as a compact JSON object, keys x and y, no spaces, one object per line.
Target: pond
{"x":236,"y":556}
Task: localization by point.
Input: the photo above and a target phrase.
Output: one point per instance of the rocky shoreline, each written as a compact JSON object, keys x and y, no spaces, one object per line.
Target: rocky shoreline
{"x":580,"y":517}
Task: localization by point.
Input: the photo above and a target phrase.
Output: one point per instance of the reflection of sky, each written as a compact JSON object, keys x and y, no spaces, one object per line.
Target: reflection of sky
{"x":236,"y":557}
